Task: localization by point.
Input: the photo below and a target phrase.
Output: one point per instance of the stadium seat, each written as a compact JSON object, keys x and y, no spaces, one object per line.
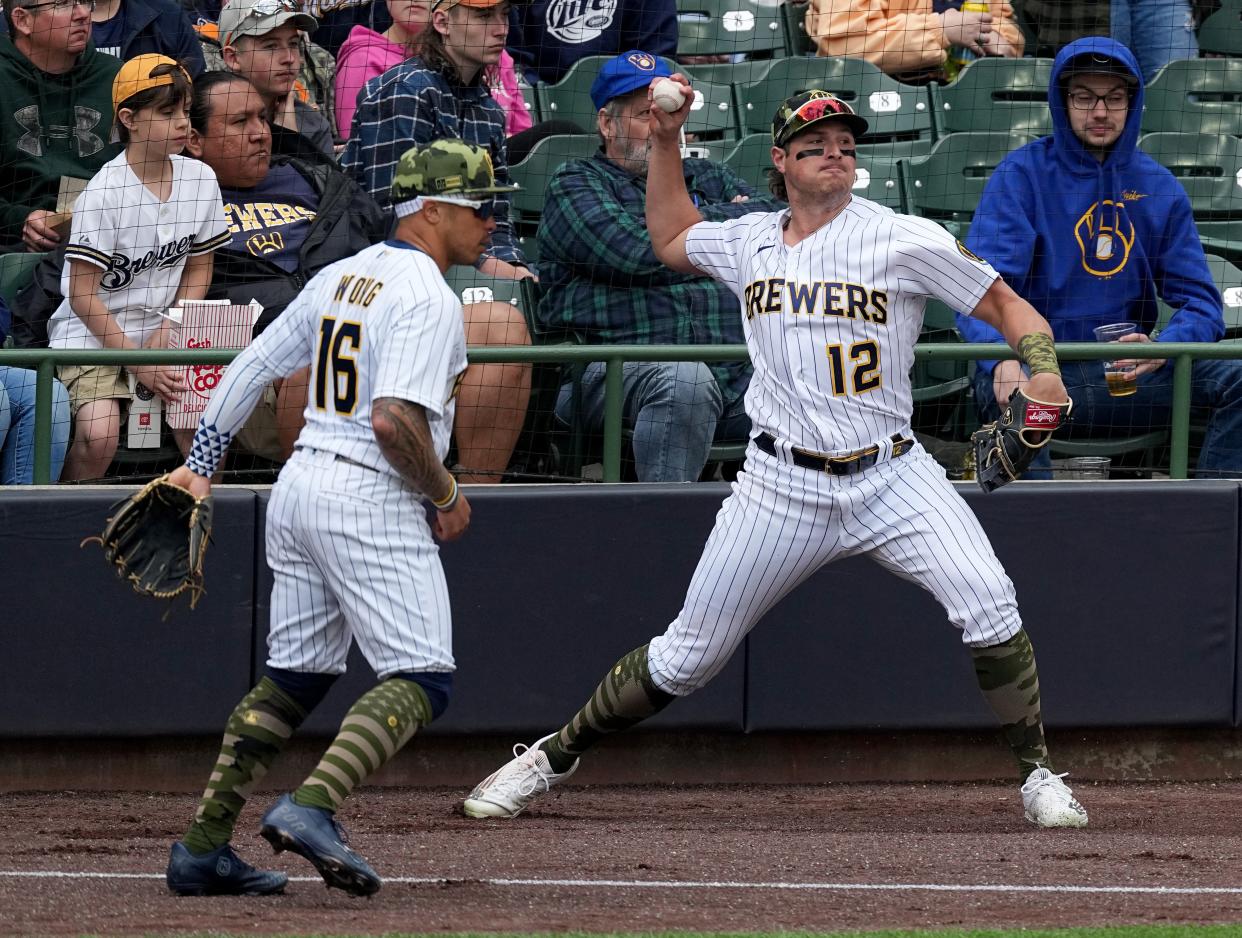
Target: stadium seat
{"x":945,"y":185}
{"x":940,"y":387}
{"x":895,"y":112}
{"x":1198,"y":96}
{"x":997,"y":95}
{"x":16,"y":269}
{"x":729,"y":27}
{"x":1221,"y":33}
{"x":1209,"y":167}
{"x":533,"y":174}
{"x":797,"y":40}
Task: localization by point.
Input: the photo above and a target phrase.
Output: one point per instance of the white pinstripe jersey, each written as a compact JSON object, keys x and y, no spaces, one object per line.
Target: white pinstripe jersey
{"x":831,"y":322}
{"x":382,"y":323}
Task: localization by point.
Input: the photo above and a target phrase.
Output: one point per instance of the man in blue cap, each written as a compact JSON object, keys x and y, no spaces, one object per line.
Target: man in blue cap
{"x":605,"y":284}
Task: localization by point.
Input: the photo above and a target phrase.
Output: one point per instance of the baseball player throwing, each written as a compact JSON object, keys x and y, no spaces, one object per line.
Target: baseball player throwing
{"x":832,"y":292}
{"x":348,"y":538}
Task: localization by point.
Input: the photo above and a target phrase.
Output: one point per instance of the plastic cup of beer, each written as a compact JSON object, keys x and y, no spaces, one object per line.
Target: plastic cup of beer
{"x":1121,"y":379}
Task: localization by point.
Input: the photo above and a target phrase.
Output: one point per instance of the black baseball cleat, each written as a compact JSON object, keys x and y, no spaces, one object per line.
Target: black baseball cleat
{"x":219,"y":873}
{"x":314,"y":834}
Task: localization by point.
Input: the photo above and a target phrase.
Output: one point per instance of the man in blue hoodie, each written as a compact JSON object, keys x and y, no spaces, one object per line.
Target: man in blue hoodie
{"x":1090,"y":230}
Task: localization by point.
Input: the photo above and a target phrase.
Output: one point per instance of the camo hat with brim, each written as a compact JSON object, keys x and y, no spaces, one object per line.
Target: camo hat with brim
{"x":445,"y":169}
{"x":811,"y":107}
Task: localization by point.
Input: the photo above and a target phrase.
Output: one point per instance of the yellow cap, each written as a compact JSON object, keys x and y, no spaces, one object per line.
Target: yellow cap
{"x":135,"y":76}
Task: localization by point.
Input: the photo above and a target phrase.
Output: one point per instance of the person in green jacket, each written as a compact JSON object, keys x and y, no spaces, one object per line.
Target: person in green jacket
{"x":55,"y":114}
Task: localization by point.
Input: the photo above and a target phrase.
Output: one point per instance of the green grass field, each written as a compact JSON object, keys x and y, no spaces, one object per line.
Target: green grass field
{"x":1121,"y":931}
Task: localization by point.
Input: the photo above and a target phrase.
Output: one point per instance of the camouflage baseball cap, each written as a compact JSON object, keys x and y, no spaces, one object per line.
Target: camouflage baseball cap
{"x":798,"y":113}
{"x":445,"y":169}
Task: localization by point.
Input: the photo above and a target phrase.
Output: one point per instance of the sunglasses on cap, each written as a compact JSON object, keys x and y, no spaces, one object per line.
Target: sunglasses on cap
{"x":483,"y":210}
{"x":272,"y":7}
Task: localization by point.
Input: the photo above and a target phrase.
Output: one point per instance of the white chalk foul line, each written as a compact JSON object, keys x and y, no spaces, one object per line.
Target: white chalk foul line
{"x":705,"y":884}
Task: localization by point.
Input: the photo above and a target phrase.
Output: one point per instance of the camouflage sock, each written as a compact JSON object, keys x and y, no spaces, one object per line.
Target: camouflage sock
{"x":1010,"y":684}
{"x":624,"y":697}
{"x":374,"y":730}
{"x":256,"y":732}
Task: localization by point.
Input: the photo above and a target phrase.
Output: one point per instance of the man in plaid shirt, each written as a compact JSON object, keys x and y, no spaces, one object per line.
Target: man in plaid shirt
{"x":605,"y":284}
{"x":442,"y":93}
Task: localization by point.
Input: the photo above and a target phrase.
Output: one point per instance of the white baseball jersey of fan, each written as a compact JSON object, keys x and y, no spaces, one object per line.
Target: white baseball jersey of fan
{"x":140,"y":243}
{"x":348,"y":542}
{"x":831,"y":322}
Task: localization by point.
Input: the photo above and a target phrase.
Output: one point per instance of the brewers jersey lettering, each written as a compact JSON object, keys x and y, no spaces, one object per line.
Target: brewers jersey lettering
{"x":831,"y":324}
{"x":140,"y":243}
{"x":348,"y":540}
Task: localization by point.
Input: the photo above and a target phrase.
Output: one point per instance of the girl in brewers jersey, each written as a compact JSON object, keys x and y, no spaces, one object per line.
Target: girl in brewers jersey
{"x":349,"y":539}
{"x":832,"y":292}
{"x":142,"y":236}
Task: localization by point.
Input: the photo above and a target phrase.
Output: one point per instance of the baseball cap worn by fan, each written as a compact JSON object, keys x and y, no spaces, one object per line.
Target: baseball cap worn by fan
{"x":444,"y":171}
{"x":625,"y":73}
{"x":803,"y":110}
{"x":260,"y":17}
{"x":134,"y":77}
{"x":1097,"y":63}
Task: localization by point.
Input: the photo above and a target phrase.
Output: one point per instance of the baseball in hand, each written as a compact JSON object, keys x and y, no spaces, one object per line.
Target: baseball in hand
{"x":667,"y":94}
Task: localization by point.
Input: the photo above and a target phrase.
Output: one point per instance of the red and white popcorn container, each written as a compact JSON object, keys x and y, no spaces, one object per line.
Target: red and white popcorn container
{"x":206,"y":324}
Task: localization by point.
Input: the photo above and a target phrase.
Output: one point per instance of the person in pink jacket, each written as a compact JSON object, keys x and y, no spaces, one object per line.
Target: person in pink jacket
{"x":367,"y":53}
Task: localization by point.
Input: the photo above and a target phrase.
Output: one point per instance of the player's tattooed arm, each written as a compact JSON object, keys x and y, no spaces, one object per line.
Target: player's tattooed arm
{"x":405,"y":439}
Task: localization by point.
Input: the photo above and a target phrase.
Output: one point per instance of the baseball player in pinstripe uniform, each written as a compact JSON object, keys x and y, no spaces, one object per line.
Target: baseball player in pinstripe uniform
{"x":384,"y":338}
{"x":832,"y":292}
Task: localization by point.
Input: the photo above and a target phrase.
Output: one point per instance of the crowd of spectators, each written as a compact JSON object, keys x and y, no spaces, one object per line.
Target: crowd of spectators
{"x":300,"y":109}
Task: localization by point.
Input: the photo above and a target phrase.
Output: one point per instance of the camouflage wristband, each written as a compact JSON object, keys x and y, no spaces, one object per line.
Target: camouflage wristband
{"x":1040,"y":355}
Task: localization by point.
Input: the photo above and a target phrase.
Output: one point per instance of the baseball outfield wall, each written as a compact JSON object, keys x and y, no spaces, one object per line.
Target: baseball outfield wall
{"x":1130,"y":592}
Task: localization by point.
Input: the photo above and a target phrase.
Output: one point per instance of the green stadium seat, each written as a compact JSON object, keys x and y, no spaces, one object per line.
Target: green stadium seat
{"x":940,"y":388}
{"x":1221,"y":33}
{"x":1209,"y":167}
{"x":729,"y":27}
{"x":995,"y":95}
{"x":797,"y":40}
{"x":946,"y":184}
{"x":16,"y":270}
{"x":1198,"y":96}
{"x":895,"y":112}
{"x":533,"y":174}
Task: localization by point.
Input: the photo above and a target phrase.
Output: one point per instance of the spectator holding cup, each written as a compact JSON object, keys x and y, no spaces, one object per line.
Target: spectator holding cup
{"x":1091,"y":231}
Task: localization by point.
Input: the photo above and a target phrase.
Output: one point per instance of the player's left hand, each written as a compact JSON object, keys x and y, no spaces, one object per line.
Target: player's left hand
{"x":1046,"y":387}
{"x":450,"y":525}
{"x":186,"y":478}
{"x":665,"y":125}
{"x":1141,"y":366}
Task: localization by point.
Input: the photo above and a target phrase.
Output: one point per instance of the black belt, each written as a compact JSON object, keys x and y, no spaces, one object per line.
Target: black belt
{"x":837,"y":465}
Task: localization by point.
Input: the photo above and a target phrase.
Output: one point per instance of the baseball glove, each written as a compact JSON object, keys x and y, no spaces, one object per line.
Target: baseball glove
{"x":156,"y":539}
{"x":1004,"y":449}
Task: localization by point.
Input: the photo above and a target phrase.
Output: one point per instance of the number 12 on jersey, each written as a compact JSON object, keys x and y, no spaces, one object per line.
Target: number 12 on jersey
{"x":865,"y":374}
{"x":337,"y":361}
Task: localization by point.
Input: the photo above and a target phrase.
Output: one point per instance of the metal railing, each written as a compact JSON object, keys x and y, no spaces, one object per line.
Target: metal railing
{"x":1182,"y":354}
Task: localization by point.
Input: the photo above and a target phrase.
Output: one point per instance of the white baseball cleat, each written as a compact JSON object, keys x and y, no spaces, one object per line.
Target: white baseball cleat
{"x":1049,"y":802}
{"x":508,"y":790}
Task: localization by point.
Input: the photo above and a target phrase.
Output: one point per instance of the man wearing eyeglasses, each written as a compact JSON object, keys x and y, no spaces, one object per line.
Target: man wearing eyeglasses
{"x":1090,"y":231}
{"x":55,"y":114}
